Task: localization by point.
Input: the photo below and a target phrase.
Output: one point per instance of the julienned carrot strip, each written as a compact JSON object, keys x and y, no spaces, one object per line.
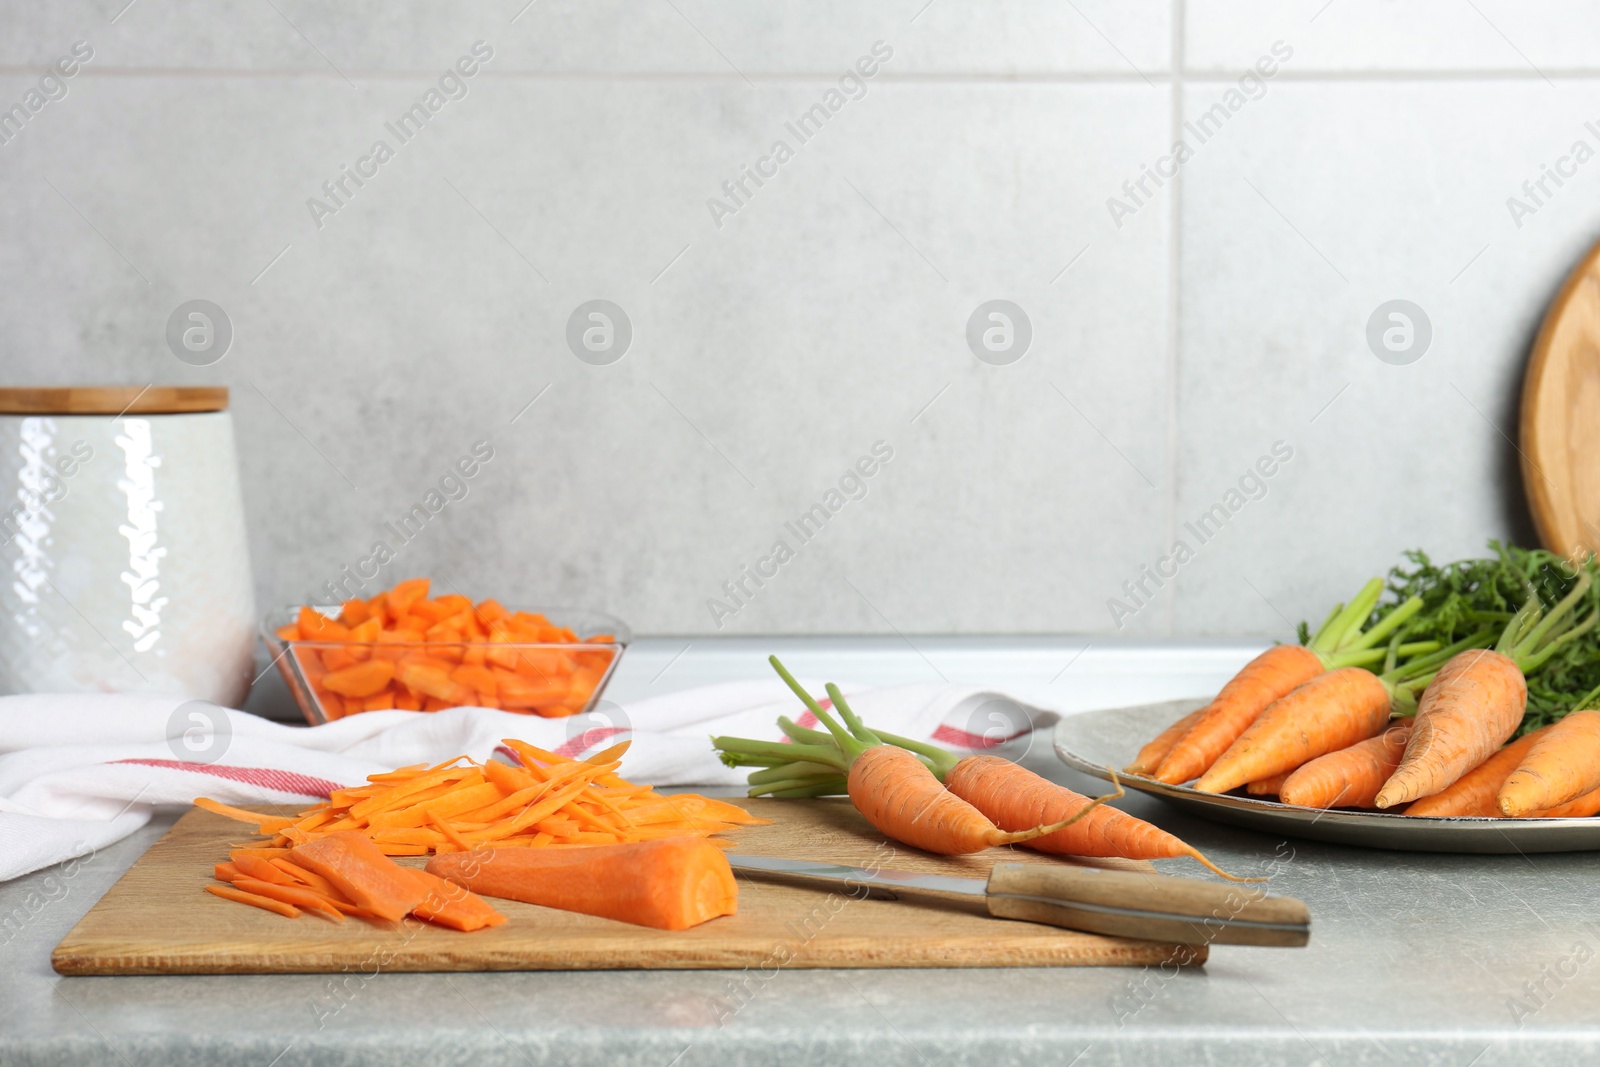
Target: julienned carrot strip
{"x":450,"y":835}
{"x":259,"y":869}
{"x":228,"y":892}
{"x":670,"y":885}
{"x":226,"y":872}
{"x":265,"y":824}
{"x":299,"y":896}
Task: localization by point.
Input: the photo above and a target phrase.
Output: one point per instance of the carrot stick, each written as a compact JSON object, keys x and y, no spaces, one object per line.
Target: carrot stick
{"x":265,"y":824}
{"x":1467,"y":712}
{"x":1273,"y":674}
{"x":228,"y":892}
{"x":1332,"y":711}
{"x":1473,"y":794}
{"x":291,"y":894}
{"x":1562,"y":766}
{"x":1151,"y":755}
{"x":1350,"y":777}
{"x":671,"y":885}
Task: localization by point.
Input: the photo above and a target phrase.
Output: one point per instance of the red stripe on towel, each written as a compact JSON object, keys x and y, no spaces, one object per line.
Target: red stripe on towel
{"x":265,"y":777}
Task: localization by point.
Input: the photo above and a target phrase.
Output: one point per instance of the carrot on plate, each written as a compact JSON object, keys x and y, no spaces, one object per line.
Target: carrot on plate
{"x":1350,"y":777}
{"x":1476,"y":701}
{"x":1267,"y":787}
{"x":1562,"y":766}
{"x":671,"y":884}
{"x":1344,"y":640}
{"x":1151,"y":755}
{"x":1473,"y":794}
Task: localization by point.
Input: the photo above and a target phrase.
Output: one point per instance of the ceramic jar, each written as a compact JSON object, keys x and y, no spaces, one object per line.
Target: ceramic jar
{"x":123,"y":542}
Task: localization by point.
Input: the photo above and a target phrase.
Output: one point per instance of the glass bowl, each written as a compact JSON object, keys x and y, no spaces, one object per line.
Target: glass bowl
{"x":552,"y":679}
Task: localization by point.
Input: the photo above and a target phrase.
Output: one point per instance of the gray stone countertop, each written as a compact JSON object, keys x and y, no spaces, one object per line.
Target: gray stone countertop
{"x":1415,"y":959}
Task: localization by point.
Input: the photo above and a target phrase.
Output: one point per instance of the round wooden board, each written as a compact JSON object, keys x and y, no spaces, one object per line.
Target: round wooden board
{"x":113,"y":399}
{"x":1560,"y":420}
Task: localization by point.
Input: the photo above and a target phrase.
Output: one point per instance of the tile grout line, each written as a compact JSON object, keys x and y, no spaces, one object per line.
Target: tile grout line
{"x":1174,"y":307}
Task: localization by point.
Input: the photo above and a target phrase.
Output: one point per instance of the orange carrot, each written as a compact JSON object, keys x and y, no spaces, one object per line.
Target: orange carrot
{"x":1562,"y":766}
{"x":1581,"y":808}
{"x":448,"y":904}
{"x":1473,"y":794}
{"x":298,"y":896}
{"x":228,"y":892}
{"x":1468,"y":711}
{"x":901,"y":797}
{"x":1151,"y":755}
{"x":1350,"y":777}
{"x":1268,"y":786}
{"x":1332,"y":711}
{"x":365,"y":876}
{"x":896,"y":791}
{"x":1017,"y":799}
{"x":671,"y":885}
{"x":1273,"y":674}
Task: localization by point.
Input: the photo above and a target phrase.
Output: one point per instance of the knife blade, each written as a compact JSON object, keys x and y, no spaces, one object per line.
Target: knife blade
{"x":1119,"y":903}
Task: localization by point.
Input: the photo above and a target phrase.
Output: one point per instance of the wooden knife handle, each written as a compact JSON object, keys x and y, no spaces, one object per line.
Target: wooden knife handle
{"x":1149,"y":906}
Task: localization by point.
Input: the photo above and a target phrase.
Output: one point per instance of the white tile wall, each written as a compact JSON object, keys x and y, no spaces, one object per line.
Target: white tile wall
{"x":829,"y":311}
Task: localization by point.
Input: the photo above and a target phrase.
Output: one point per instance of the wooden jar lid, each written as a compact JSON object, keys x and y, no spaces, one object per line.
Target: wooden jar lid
{"x":113,"y":399}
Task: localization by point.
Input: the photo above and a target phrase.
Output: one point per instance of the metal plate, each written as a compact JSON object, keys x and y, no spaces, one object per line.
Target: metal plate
{"x":1098,"y":740}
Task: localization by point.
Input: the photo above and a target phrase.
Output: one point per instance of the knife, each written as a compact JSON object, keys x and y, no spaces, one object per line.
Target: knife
{"x":1120,"y":903}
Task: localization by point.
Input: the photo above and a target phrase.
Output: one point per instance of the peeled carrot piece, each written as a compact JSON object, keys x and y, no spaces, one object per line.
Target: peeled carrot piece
{"x":450,"y":905}
{"x":228,"y":892}
{"x":259,"y":869}
{"x":404,"y":594}
{"x":360,"y":871}
{"x":290,"y":632}
{"x":315,"y":626}
{"x":298,"y":896}
{"x":671,"y":885}
{"x":355,"y":612}
{"x":361,"y":680}
{"x":430,"y":677}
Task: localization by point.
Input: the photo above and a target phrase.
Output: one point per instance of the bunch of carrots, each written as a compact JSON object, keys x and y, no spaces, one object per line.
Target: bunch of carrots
{"x":401,"y":649}
{"x":925,"y":796}
{"x":462,"y":805}
{"x":1420,"y":730}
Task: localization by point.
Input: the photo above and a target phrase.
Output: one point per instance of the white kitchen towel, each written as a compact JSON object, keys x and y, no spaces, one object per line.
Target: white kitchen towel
{"x":80,"y":771}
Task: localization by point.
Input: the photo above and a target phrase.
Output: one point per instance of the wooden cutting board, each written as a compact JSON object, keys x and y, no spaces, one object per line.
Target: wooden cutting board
{"x":157,"y":920}
{"x":1560,"y":420}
